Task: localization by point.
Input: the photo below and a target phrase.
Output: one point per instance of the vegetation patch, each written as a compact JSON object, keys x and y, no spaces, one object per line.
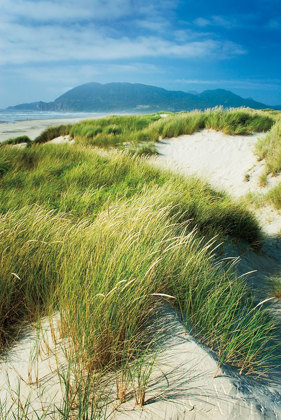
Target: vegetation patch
{"x":269,"y":150}
{"x":82,"y":181}
{"x":135,"y":130}
{"x":52,"y":133}
{"x":107,"y":277}
{"x":16,"y":140}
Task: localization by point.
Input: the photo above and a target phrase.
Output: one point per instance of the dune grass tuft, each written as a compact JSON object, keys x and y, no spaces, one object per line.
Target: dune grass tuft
{"x":269,"y":149}
{"x":16,"y":140}
{"x":107,"y":277}
{"x":82,"y":181}
{"x":53,"y":132}
{"x":118,"y":131}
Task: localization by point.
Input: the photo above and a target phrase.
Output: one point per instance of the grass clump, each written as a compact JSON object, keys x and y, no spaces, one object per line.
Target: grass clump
{"x":113,"y":130}
{"x":237,"y":122}
{"x":107,"y":277}
{"x":147,"y":149}
{"x":16,"y":140}
{"x":82,"y":181}
{"x":269,"y":149}
{"x":274,"y":196}
{"x":135,"y":130}
{"x":53,"y":132}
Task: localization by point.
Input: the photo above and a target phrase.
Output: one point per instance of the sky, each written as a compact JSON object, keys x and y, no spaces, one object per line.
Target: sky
{"x":50,"y":46}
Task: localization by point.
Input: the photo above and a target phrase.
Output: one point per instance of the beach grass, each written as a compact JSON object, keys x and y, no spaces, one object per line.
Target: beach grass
{"x":107,"y":277}
{"x":269,"y":150}
{"x":53,"y":132}
{"x":16,"y":140}
{"x":83,"y":180}
{"x":139,"y":130}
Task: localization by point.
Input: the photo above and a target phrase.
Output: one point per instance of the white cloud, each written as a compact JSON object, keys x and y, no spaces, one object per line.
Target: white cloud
{"x":64,"y":10}
{"x":74,"y":74}
{"x":34,"y":44}
{"x":201,"y":22}
{"x":216,"y":21}
{"x":43,"y":11}
{"x":243,"y":84}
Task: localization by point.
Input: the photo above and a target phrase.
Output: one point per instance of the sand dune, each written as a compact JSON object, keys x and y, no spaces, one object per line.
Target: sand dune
{"x":182,"y":385}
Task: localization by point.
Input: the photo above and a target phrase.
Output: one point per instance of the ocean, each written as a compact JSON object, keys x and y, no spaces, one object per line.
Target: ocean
{"x":11,"y":115}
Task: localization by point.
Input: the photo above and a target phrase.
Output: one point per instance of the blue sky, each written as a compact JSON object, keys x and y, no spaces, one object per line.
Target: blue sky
{"x":50,"y":46}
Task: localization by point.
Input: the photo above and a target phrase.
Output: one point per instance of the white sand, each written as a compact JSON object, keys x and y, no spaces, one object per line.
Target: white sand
{"x":223,"y":160}
{"x":226,"y":162}
{"x":29,"y":372}
{"x":62,"y":140}
{"x":31,"y":128}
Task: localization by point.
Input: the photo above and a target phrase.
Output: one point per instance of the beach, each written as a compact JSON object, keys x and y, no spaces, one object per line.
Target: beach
{"x":31,"y":128}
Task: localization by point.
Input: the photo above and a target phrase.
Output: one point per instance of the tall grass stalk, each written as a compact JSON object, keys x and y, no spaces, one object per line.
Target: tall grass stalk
{"x":104,"y":278}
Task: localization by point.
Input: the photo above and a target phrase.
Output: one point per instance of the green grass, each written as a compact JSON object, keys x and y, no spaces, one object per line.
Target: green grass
{"x":16,"y":140}
{"x":107,"y":277}
{"x":82,"y":181}
{"x":146,"y":149}
{"x":118,"y":131}
{"x":53,"y":132}
{"x":269,"y":150}
{"x":123,"y":238}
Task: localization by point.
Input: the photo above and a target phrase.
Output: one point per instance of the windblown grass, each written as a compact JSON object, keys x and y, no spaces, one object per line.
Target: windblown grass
{"x":83,"y":181}
{"x":53,"y":132}
{"x":269,"y":149}
{"x":118,"y":131}
{"x":107,"y":277}
{"x":16,"y":140}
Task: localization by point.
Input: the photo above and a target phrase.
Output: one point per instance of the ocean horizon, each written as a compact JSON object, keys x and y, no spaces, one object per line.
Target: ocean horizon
{"x":11,"y":115}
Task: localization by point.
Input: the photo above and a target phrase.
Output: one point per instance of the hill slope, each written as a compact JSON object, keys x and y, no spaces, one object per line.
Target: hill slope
{"x":138,"y":97}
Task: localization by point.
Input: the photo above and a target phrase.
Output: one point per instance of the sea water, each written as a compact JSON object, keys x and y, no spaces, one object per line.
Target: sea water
{"x":13,"y":115}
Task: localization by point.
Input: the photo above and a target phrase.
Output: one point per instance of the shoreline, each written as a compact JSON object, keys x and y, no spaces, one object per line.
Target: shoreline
{"x":32,"y":128}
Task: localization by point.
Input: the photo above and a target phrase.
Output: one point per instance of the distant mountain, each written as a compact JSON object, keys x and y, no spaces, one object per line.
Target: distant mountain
{"x":95,"y":97}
